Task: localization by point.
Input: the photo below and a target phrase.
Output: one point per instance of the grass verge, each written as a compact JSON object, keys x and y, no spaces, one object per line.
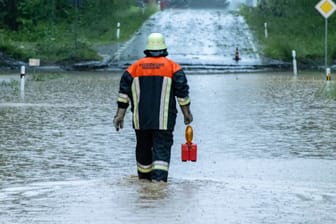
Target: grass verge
{"x":72,"y":42}
{"x":298,"y":28}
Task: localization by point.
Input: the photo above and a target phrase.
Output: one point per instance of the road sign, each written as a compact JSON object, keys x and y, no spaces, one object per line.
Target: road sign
{"x":326,"y":8}
{"x":34,"y":62}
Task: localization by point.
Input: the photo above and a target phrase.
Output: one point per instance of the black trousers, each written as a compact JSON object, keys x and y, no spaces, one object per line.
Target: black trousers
{"x":153,"y":150}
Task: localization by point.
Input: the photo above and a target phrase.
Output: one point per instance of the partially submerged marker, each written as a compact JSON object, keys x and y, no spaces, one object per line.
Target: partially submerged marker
{"x":237,"y":57}
{"x":22,"y":78}
{"x":328,"y":74}
{"x":294,"y":62}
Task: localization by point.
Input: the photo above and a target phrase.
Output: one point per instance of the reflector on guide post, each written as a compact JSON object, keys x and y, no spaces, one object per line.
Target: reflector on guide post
{"x":189,"y":150}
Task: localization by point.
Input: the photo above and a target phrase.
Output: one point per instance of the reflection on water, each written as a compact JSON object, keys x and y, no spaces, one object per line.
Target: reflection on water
{"x":266,"y":149}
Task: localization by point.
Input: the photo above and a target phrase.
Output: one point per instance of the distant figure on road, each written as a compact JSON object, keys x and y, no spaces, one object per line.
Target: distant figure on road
{"x":152,"y":85}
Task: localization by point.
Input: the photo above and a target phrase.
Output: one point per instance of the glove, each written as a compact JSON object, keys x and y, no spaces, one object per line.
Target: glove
{"x":118,"y":120}
{"x":188,"y":118}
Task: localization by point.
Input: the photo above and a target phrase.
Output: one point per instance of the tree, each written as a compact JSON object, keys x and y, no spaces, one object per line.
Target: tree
{"x":17,"y":14}
{"x":8,"y":14}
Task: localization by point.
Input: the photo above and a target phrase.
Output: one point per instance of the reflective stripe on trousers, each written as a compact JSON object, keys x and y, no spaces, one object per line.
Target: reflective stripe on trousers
{"x":161,"y":165}
{"x":153,"y":153}
{"x":157,"y":165}
{"x":144,"y":168}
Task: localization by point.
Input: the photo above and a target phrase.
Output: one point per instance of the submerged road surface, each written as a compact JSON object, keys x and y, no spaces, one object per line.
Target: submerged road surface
{"x":266,"y":154}
{"x":198,"y":38}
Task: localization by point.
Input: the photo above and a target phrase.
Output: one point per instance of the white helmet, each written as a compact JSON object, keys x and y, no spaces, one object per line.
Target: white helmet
{"x":156,"y":41}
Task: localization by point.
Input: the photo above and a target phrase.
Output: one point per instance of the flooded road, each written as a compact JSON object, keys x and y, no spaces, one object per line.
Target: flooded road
{"x":266,"y":144}
{"x":198,"y":38}
{"x":266,"y":141}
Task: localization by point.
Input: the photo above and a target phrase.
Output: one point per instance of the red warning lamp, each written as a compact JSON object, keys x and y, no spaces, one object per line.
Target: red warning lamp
{"x":189,"y":150}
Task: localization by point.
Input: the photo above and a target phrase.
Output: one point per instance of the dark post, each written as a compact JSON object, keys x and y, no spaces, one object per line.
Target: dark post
{"x":76,"y":4}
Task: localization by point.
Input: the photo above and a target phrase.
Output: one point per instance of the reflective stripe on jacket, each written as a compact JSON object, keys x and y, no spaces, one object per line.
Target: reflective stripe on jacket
{"x":152,"y":84}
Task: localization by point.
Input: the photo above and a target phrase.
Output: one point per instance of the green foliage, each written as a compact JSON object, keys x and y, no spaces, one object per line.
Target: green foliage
{"x":292,"y":25}
{"x":63,"y":30}
{"x":102,"y":26}
{"x":40,"y":77}
{"x":9,"y":46}
{"x":12,"y":84}
{"x":8,"y":14}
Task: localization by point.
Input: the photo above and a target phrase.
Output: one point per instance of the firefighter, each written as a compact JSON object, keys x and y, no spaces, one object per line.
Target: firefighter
{"x":153,"y":85}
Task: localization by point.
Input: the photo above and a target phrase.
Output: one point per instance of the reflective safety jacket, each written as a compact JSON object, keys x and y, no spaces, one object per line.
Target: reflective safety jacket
{"x":152,"y":85}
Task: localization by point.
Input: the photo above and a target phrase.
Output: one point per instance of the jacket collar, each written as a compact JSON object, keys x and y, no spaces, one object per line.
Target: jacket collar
{"x":157,"y":53}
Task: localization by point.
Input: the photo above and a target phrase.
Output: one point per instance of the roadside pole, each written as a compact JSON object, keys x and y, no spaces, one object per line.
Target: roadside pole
{"x":326,"y":45}
{"x":22,"y":78}
{"x":266,"y":30}
{"x":294,"y":63}
{"x":118,"y":37}
{"x":326,"y":8}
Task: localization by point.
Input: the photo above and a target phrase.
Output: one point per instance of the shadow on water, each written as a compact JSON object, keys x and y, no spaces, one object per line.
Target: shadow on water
{"x":266,"y":152}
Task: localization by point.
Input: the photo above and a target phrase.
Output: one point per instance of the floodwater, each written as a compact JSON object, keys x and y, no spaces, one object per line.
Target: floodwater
{"x":197,"y":38}
{"x":266,"y":153}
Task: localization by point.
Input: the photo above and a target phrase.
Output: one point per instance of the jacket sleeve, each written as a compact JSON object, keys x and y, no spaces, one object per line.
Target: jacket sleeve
{"x":181,"y":88}
{"x":125,"y":90}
